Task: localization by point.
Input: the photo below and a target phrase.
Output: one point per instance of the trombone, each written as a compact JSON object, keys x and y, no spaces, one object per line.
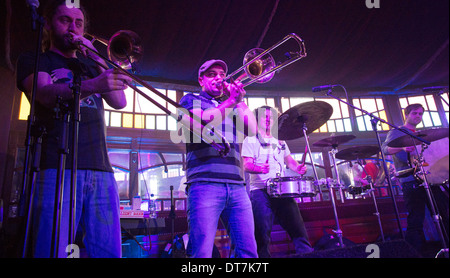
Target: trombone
{"x":260,"y":66}
{"x":123,"y":49}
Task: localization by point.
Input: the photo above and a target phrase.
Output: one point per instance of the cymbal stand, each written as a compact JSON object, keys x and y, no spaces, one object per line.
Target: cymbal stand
{"x":437,"y":219}
{"x":316,"y":177}
{"x":333,"y":152}
{"x":330,"y":184}
{"x":372,"y":193}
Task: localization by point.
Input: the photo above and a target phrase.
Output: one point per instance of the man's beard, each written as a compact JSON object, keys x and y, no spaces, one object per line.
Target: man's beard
{"x":63,"y":42}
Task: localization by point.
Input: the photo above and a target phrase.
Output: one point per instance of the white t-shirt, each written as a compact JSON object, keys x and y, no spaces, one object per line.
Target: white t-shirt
{"x":273,"y":153}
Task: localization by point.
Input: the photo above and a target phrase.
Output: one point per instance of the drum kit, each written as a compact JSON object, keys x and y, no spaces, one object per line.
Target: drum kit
{"x":301,"y":120}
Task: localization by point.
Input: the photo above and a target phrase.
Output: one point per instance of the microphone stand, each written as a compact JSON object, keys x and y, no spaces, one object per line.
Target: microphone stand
{"x":374,"y":122}
{"x":172,"y":213}
{"x":63,"y":115}
{"x":77,"y":70}
{"x":33,"y":141}
{"x":67,"y":118}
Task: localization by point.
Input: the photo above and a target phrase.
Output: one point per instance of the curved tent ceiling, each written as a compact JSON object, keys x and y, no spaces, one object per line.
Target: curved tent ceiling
{"x":402,"y":45}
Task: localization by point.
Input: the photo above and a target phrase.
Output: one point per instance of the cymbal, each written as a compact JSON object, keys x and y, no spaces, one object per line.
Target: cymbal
{"x":312,"y":114}
{"x":334,"y":141}
{"x":430,"y":135}
{"x":357,"y":152}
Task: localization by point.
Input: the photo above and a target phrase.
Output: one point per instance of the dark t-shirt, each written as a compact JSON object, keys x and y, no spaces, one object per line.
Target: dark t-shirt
{"x":92,"y":151}
{"x":401,"y":159}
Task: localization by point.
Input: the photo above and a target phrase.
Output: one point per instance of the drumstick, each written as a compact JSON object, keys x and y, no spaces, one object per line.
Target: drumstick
{"x":304,"y":155}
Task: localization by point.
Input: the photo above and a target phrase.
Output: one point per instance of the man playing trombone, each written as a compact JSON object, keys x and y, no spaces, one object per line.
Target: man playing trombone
{"x":97,"y":199}
{"x":216,"y":188}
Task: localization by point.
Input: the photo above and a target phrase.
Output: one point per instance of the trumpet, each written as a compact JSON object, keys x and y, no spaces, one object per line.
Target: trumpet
{"x":260,"y":66}
{"x":124,"y":49}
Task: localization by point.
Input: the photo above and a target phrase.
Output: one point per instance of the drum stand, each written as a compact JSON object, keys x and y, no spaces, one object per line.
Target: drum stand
{"x":372,"y":193}
{"x":338,"y":230}
{"x":333,"y":152}
{"x":328,"y":182}
{"x":316,"y":177}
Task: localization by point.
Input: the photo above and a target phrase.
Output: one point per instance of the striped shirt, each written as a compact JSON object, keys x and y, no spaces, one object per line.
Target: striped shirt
{"x":203,"y":161}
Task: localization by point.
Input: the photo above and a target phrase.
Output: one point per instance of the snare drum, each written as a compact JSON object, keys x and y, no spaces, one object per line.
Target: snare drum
{"x":285,"y":187}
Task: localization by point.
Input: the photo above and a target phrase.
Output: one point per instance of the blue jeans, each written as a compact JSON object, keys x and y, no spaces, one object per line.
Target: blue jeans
{"x":207,"y":203}
{"x":97,"y":212}
{"x":288,"y":215}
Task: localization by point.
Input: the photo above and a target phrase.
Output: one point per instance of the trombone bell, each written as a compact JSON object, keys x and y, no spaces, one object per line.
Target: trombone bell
{"x":125,"y":48}
{"x":260,"y":66}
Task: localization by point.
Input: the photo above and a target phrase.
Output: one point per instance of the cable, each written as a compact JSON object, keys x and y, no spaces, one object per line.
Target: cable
{"x":263,"y":35}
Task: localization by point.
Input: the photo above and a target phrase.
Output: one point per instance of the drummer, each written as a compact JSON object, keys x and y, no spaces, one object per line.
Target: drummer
{"x":264,"y":157}
{"x":363,"y":171}
{"x":365,"y":174}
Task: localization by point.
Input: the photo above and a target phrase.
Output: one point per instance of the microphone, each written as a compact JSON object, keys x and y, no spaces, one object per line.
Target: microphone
{"x":33,"y":5}
{"x":323,"y":88}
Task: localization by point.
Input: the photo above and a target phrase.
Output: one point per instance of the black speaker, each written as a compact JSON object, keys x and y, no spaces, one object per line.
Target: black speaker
{"x":388,"y":249}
